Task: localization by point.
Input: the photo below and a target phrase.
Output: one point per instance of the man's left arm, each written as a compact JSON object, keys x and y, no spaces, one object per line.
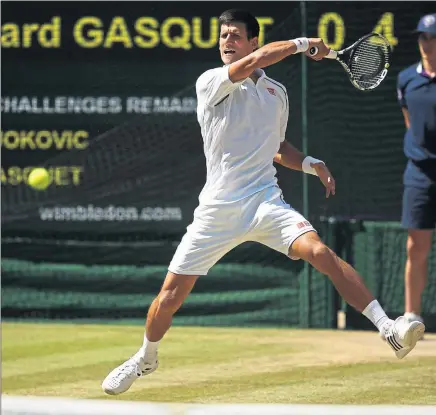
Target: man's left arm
{"x":288,"y":156}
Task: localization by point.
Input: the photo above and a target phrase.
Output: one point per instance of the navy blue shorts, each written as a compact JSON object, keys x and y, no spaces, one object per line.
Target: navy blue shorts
{"x":419,"y":207}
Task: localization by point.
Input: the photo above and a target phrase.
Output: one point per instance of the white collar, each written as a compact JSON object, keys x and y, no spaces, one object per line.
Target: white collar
{"x":260,"y":73}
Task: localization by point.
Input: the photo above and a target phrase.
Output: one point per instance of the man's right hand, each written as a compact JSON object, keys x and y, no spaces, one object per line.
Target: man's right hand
{"x":323,"y":49}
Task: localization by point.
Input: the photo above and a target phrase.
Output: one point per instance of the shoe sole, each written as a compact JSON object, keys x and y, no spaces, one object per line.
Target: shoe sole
{"x":415,"y":333}
{"x":111,"y":392}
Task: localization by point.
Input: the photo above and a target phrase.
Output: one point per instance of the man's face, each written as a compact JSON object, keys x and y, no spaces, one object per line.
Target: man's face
{"x":234,"y":43}
{"x":427,"y":45}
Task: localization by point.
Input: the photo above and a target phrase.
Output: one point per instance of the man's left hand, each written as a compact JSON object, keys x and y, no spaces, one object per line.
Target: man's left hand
{"x":326,"y":178}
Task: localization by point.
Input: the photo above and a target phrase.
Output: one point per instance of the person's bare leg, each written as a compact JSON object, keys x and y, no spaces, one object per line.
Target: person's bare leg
{"x":400,"y":334}
{"x":418,"y":249}
{"x":173,"y":293}
{"x":345,"y":278}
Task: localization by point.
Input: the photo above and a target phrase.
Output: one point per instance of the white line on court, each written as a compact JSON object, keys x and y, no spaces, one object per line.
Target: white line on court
{"x":29,"y":405}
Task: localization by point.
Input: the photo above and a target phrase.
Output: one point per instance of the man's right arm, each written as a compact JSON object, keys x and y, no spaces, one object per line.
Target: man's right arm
{"x":269,"y":55}
{"x":215,"y":85}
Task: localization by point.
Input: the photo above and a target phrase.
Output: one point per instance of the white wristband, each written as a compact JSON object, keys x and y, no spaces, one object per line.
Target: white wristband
{"x":307,"y":167}
{"x":302,"y":44}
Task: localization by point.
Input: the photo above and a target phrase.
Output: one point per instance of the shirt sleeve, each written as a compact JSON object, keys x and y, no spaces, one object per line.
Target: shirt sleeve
{"x":214,"y":85}
{"x":401,"y":87}
{"x":284,"y":118}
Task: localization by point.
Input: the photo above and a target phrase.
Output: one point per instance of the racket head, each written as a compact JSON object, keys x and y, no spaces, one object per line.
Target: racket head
{"x":367,"y":61}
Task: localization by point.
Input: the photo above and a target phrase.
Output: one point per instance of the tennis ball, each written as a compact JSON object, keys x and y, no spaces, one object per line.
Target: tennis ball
{"x":39,"y":179}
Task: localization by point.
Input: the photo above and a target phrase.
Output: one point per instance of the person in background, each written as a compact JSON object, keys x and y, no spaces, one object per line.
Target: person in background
{"x":417,"y":96}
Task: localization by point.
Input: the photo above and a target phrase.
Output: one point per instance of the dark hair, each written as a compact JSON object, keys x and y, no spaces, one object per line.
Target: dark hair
{"x":241,"y":16}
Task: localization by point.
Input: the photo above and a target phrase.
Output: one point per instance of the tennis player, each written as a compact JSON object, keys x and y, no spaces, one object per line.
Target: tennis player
{"x":243,"y":116}
{"x":417,"y":96}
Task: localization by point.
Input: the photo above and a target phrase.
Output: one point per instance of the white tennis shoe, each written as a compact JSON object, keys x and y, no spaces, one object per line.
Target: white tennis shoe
{"x":122,"y":377}
{"x":414,"y":317}
{"x":402,"y":335}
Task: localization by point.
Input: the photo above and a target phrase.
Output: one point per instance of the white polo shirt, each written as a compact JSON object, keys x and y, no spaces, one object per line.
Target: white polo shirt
{"x":242,"y":125}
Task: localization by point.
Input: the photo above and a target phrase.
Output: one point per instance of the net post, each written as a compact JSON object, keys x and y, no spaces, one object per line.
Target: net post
{"x":305,"y":306}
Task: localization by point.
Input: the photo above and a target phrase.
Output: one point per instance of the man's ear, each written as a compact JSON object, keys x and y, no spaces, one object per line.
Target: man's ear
{"x":254,"y":43}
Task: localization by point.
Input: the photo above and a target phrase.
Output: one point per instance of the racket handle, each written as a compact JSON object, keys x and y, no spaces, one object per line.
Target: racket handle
{"x":331,"y":55}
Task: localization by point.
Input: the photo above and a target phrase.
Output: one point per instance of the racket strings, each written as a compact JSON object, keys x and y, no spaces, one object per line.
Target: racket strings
{"x":368,"y":61}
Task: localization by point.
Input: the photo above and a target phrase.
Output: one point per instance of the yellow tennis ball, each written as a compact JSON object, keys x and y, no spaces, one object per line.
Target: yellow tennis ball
{"x":39,"y":178}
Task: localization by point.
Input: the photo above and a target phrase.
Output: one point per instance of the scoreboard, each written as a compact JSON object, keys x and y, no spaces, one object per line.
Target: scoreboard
{"x":121,"y":74}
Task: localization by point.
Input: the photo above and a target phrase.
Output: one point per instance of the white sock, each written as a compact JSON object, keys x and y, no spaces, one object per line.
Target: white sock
{"x":376,"y":314}
{"x":149,"y":348}
{"x":411,"y":316}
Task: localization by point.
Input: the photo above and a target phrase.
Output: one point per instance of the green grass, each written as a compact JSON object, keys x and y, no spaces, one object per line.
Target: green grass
{"x":211,"y":365}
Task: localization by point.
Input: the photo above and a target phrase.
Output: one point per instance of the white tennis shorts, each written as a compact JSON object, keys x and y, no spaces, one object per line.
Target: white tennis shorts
{"x":216,"y":229}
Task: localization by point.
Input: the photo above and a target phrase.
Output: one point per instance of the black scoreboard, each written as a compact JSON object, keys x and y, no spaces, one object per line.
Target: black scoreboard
{"x":122,"y":74}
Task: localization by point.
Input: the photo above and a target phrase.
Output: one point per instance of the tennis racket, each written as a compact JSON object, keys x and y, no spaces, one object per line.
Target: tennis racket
{"x":365,"y":61}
